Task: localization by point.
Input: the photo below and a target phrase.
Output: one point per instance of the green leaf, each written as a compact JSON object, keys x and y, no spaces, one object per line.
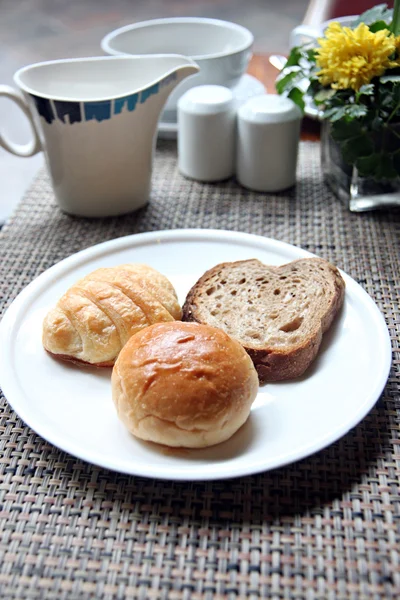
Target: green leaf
{"x":335,"y":113}
{"x":367,"y":165}
{"x":366,"y":90}
{"x":380,"y":12}
{"x":395,"y":25}
{"x":314,"y":87}
{"x":311,"y":54}
{"x":376,"y":123}
{"x":378,"y":26}
{"x":293,"y":58}
{"x":387,"y":100}
{"x":396,"y":94}
{"x":391,"y":78}
{"x":344,"y":110}
{"x":313,"y":72}
{"x":288,"y":81}
{"x":377,"y":165}
{"x":345,"y":130}
{"x":356,"y":110}
{"x":357,"y":147}
{"x":297,"y":96}
{"x":396,"y":162}
{"x":323,"y":95}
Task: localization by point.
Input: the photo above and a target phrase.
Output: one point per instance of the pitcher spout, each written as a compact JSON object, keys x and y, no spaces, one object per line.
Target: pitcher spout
{"x":165,"y":72}
{"x":185,"y":67}
{"x":175,"y":68}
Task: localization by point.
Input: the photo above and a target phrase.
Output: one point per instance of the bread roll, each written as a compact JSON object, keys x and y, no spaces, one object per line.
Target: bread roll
{"x":98,"y":315}
{"x":183,"y":384}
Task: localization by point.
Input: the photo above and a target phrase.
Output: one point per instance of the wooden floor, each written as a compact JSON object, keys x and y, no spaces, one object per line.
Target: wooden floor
{"x":35,"y":30}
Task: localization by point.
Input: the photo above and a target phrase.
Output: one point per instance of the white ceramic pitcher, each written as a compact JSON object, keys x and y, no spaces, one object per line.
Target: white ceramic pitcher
{"x":96,"y":120}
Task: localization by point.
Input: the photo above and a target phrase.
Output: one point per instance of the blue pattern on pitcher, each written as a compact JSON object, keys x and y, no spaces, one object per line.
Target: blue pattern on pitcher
{"x":68,"y":112}
{"x":150,"y":91}
{"x":99,"y":111}
{"x":44,"y":108}
{"x":128,"y":101}
{"x":76,"y":112}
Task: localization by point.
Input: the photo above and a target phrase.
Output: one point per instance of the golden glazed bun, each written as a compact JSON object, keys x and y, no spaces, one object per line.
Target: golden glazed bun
{"x":96,"y":317}
{"x":183,"y":384}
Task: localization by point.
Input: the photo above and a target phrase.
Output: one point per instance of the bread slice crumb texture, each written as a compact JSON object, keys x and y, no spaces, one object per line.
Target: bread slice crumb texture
{"x":276,"y":313}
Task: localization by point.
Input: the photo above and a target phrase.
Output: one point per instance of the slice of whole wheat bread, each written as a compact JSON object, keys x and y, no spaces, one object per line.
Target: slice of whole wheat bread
{"x":278,"y":314}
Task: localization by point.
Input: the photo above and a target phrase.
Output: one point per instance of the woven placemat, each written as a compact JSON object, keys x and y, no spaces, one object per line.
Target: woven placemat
{"x":327,"y":527}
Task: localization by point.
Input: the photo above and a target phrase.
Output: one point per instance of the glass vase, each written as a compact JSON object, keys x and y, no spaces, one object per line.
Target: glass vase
{"x":358,"y":193}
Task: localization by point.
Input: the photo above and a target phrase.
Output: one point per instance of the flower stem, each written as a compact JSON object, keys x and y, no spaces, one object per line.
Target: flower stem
{"x":395,"y":26}
{"x":394,"y":111}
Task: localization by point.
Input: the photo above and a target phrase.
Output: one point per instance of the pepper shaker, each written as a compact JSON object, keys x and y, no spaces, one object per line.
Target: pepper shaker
{"x":207,"y":133}
{"x":267,"y":144}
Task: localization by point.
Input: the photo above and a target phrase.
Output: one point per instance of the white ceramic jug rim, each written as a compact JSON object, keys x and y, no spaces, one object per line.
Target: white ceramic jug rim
{"x":105,"y":42}
{"x":186,"y":61}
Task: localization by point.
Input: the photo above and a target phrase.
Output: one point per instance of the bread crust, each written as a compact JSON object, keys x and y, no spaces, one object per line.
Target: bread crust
{"x":183,"y":385}
{"x":98,"y":314}
{"x":272,"y":362}
{"x":80,"y":363}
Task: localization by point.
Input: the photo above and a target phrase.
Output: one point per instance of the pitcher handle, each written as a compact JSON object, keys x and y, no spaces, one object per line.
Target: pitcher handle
{"x":303,"y":31}
{"x":32,"y":147}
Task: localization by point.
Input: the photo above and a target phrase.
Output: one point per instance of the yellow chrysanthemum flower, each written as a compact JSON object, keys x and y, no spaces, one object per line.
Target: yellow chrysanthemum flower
{"x":397,"y":43}
{"x":350,"y":58}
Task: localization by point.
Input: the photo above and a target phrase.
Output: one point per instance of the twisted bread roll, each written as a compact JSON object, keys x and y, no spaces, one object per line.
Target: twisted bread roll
{"x":97,"y":316}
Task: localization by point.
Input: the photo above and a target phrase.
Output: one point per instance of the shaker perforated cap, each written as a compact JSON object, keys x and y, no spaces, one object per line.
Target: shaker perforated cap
{"x":206,"y":99}
{"x":269,"y":108}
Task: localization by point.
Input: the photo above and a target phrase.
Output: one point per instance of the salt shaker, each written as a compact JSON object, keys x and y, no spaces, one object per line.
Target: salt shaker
{"x":267,"y":144}
{"x":207,"y":133}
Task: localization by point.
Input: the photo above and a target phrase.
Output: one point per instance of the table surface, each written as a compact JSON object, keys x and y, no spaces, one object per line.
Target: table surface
{"x":325,"y":528}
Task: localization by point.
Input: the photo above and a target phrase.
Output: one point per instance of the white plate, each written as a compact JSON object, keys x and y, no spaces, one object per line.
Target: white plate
{"x":73,"y":409}
{"x":247,"y":87}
